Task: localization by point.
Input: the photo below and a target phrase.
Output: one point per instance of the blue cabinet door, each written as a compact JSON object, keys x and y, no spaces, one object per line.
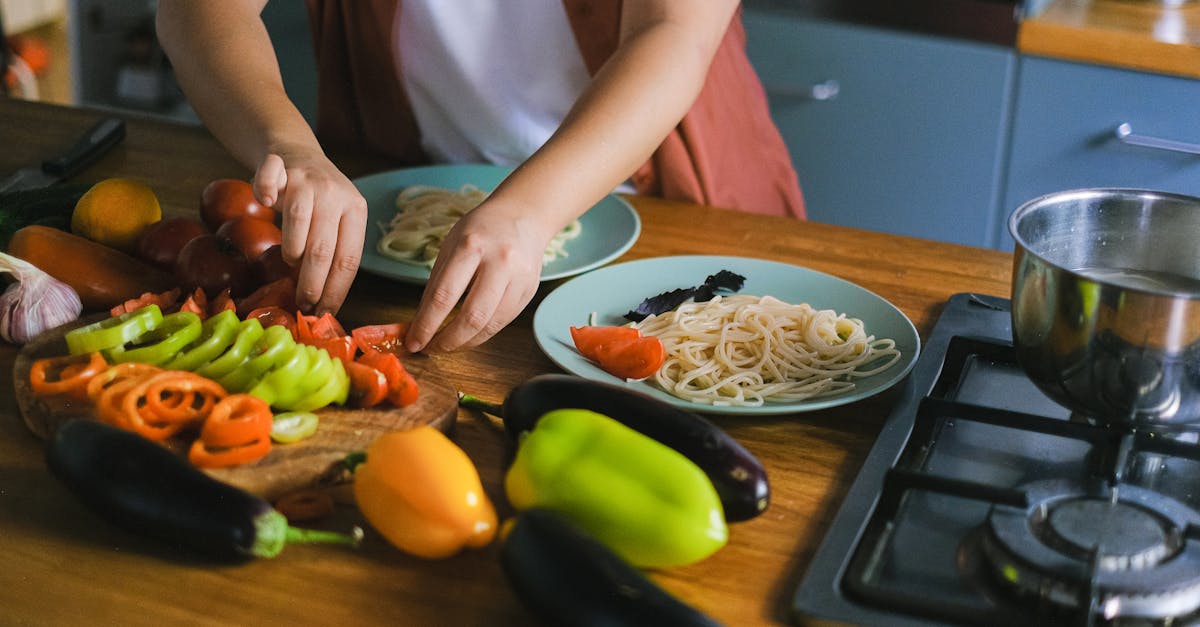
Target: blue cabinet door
{"x":904,"y":132}
{"x":1064,"y":132}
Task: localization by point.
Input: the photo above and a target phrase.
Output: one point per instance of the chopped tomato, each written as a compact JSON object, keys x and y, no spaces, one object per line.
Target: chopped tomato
{"x":341,"y":347}
{"x":165,"y":301}
{"x":368,"y":385}
{"x":402,"y":387}
{"x":271,"y":316}
{"x":196,"y":303}
{"x":590,"y":339}
{"x":222,"y":302}
{"x":386,"y":338}
{"x":322,"y":327}
{"x":280,"y":293}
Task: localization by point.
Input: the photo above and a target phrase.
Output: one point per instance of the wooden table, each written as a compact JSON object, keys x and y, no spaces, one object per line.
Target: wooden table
{"x":64,"y":566}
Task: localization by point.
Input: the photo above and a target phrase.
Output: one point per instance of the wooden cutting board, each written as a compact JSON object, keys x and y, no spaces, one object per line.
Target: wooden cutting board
{"x":314,"y":462}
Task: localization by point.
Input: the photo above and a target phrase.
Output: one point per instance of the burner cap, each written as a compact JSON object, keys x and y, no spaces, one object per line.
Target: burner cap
{"x":1117,"y":553}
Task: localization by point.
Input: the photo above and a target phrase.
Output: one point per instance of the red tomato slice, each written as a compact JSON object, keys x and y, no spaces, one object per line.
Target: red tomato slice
{"x":590,"y":339}
{"x":222,"y":302}
{"x":385,"y":338}
{"x":270,"y":316}
{"x":323,"y":327}
{"x":368,"y":386}
{"x":632,"y":359}
{"x":281,"y":294}
{"x":340,"y":347}
{"x":402,"y":387}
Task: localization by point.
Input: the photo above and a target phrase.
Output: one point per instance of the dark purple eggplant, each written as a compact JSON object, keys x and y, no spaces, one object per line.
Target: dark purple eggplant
{"x":740,"y":480}
{"x":566,"y":577}
{"x":148,"y":489}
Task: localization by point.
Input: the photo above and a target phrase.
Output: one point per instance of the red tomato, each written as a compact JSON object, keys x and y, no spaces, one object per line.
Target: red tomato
{"x":225,"y":199}
{"x":161,"y":242}
{"x":402,"y":387}
{"x":270,"y":316}
{"x":386,"y":338}
{"x":590,"y":339}
{"x":323,"y":327}
{"x":213,"y":264}
{"x":270,"y":266}
{"x":280,"y":294}
{"x":252,"y":236}
{"x":368,"y":386}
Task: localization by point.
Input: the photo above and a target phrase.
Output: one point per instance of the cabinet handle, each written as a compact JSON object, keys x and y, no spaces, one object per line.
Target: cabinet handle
{"x":825,"y":90}
{"x":1125,"y":133}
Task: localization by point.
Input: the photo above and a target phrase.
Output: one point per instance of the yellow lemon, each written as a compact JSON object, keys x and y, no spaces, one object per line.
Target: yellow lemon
{"x":114,"y":212}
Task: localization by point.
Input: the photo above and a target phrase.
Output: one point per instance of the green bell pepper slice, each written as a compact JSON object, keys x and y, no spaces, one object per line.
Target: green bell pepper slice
{"x":335,"y":390}
{"x":647,"y":502}
{"x":114,"y":331}
{"x":320,"y":370}
{"x":160,"y":344}
{"x":293,"y":426}
{"x":247,"y":334}
{"x":216,"y":334}
{"x":288,"y":373}
{"x":267,"y":352}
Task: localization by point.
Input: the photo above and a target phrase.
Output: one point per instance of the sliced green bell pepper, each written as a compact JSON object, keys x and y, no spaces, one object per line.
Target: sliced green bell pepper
{"x":267,"y":352}
{"x":647,"y":502}
{"x":320,"y":370}
{"x":335,"y":390}
{"x":288,"y":373}
{"x":112,"y":332}
{"x":247,"y":335}
{"x":216,"y":334}
{"x":160,"y":344}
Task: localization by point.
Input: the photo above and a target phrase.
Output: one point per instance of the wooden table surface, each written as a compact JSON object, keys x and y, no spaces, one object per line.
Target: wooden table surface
{"x":64,"y":566}
{"x":1145,"y":35}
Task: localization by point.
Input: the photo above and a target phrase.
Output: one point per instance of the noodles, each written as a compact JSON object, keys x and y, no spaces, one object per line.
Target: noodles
{"x":425,"y":214}
{"x":748,"y":350}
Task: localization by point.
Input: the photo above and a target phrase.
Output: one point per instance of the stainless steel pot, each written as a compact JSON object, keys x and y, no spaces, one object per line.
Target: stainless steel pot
{"x":1106,"y":304}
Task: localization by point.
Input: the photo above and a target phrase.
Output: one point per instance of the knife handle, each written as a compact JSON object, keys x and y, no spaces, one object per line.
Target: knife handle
{"x":104,"y":135}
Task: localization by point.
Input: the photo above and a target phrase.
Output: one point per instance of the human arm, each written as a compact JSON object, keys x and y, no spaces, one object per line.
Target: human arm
{"x":494,"y":254}
{"x":224,"y":60}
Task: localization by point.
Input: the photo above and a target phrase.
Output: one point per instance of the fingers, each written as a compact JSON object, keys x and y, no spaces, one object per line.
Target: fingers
{"x":447,"y":282}
{"x":269,"y":180}
{"x":346,"y":257}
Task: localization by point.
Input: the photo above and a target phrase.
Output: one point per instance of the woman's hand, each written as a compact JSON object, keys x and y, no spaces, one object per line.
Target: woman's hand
{"x":494,"y":256}
{"x":324,"y":223}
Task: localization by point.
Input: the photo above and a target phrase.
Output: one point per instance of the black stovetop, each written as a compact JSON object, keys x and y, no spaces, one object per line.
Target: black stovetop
{"x":978,"y":504}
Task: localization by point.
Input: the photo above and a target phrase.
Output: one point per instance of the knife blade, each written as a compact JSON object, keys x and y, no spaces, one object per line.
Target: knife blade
{"x":90,"y":147}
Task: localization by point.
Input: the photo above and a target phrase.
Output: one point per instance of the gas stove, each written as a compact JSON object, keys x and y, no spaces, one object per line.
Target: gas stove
{"x":985,"y":502}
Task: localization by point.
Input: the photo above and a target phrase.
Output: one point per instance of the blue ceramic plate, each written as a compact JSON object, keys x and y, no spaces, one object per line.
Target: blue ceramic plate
{"x":609,"y":228}
{"x":610,"y":292}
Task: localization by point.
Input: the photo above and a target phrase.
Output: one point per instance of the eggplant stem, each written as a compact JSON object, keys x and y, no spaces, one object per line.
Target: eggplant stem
{"x":472,"y":402}
{"x":298,"y":535}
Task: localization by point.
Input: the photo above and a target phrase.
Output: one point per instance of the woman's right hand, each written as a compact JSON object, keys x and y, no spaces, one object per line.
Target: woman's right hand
{"x":324,"y":223}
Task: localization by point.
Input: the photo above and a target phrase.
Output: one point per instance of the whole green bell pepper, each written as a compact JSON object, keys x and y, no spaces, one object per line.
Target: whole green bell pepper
{"x":645,"y":501}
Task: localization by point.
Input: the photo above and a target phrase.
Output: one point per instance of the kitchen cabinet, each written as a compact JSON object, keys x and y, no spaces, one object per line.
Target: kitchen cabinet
{"x":889,"y":130}
{"x":1064,"y":132}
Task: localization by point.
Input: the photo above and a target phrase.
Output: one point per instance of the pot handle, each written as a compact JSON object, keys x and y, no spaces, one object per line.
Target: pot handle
{"x":1124,"y":132}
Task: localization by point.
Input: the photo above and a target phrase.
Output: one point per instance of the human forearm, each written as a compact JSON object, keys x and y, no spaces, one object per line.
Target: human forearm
{"x":634,"y":101}
{"x":225,"y":63}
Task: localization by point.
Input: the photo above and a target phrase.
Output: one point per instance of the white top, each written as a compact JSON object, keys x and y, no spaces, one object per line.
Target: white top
{"x":488,"y":81}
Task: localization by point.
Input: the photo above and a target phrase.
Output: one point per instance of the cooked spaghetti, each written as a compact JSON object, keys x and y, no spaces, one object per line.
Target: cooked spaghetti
{"x":748,"y":350}
{"x":425,"y":214}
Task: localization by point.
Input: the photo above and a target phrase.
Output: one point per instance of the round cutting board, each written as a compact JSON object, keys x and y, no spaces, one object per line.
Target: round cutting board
{"x":310,"y":463}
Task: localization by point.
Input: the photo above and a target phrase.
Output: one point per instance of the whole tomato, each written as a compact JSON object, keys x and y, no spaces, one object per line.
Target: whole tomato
{"x":225,"y":199}
{"x":252,"y":236}
{"x":212,"y":263}
{"x":161,"y":242}
{"x":269,"y":266}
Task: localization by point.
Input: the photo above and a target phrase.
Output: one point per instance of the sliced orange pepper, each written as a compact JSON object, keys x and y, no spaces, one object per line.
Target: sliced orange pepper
{"x":66,"y":375}
{"x":113,"y":374}
{"x":237,"y":420}
{"x":203,"y":456}
{"x":179,"y":385}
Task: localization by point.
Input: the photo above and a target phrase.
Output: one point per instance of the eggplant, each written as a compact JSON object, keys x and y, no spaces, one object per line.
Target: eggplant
{"x":148,"y":489}
{"x":566,"y":577}
{"x":740,"y":479}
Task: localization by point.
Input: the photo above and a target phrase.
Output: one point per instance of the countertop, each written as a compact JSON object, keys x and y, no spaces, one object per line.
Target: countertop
{"x":65,"y":566}
{"x":1133,"y":34}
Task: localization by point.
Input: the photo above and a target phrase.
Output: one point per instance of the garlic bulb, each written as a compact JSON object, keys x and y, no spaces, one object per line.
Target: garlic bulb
{"x":35,"y":303}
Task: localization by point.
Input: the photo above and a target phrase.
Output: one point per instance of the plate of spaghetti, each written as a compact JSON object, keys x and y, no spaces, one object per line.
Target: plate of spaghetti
{"x":409,"y":212}
{"x":790,"y":340}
